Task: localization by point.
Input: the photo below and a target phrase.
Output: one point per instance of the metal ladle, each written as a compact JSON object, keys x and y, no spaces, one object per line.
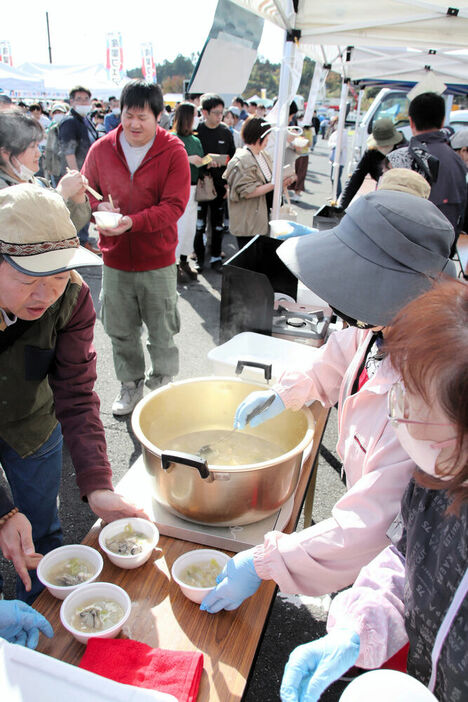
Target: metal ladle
{"x":206,"y":449}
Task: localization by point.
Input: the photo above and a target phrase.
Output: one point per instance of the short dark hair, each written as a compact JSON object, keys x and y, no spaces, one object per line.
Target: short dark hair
{"x":139,"y":93}
{"x":210,"y":100}
{"x":254,"y":103}
{"x":78,"y":89}
{"x":253,"y":129}
{"x":183,"y":120}
{"x":18,"y":131}
{"x":35,"y":106}
{"x":5,"y":99}
{"x":427,"y":111}
{"x":112,"y":97}
{"x":239,"y":98}
{"x":194,"y":96}
{"x":293,"y":108}
{"x":97,"y":113}
{"x":21,"y":104}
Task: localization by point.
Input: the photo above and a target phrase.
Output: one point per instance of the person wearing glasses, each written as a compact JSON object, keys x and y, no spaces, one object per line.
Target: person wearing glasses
{"x":216,"y":138}
{"x":415,"y":591}
{"x":385,"y":251}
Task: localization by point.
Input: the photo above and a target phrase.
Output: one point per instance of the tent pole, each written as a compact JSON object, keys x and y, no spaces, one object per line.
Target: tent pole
{"x":353,"y":160}
{"x":282,"y":123}
{"x":448,"y":108}
{"x":48,"y":37}
{"x":339,"y":139}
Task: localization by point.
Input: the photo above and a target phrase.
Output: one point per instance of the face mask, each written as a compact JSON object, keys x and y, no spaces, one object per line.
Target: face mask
{"x":116,"y":111}
{"x":82,"y":109}
{"x":58,"y":117}
{"x":21,"y":171}
{"x":423,"y":453}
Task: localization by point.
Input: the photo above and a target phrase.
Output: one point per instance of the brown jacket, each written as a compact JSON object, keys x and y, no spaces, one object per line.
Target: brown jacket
{"x":247,"y":217}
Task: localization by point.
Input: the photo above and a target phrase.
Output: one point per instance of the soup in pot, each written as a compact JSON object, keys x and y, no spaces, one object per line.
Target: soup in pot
{"x":226,"y":448}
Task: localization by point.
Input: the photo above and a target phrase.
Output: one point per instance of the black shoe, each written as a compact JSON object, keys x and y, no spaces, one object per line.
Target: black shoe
{"x":217,"y":266}
{"x":185,"y":270}
{"x":199,"y":267}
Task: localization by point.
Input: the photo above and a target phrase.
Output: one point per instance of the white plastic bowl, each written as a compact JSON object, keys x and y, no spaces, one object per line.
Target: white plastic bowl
{"x":107,"y":220}
{"x":280,"y":227}
{"x":196,"y":594}
{"x":300,"y":142}
{"x":62,"y":553}
{"x":142,"y":525}
{"x":95,"y":591}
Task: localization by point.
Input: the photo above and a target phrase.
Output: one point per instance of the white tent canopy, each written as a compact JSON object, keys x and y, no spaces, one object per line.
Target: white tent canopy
{"x":415,"y":23}
{"x":14,"y":82}
{"x":349,"y":23}
{"x":60,"y":79}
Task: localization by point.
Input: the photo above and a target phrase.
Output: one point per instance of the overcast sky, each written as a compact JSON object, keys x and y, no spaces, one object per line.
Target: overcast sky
{"x":78,"y":29}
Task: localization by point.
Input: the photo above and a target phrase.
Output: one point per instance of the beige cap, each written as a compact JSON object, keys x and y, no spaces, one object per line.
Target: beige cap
{"x":37,"y":236}
{"x":405,"y":181}
{"x":58,"y":107}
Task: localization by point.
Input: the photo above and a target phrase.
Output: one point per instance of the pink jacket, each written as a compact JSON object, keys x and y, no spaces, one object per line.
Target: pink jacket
{"x":329,"y":555}
{"x":374,"y":608}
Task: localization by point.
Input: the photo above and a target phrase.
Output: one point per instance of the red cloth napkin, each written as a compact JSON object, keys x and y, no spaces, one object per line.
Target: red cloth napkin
{"x":133,"y":663}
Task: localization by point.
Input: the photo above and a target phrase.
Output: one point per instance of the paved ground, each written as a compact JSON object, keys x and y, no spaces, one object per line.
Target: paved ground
{"x":293,"y":620}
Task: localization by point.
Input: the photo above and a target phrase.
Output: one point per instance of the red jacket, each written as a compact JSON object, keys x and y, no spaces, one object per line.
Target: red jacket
{"x":155,"y":197}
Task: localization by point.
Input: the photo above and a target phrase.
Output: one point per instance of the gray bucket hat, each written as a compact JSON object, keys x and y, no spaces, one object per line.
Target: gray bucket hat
{"x":386,"y":251}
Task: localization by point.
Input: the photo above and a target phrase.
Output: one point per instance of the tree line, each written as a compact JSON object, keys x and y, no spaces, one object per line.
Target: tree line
{"x":171,"y":75}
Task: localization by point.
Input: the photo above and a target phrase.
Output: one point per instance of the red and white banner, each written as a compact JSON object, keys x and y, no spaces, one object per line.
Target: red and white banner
{"x":114,"y":57}
{"x":5,"y":53}
{"x":147,"y":62}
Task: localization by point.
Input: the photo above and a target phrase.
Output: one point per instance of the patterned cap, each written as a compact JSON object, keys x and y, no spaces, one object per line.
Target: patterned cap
{"x":37,"y":236}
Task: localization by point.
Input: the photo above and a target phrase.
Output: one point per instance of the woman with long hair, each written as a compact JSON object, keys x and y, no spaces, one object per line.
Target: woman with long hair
{"x":415,"y":591}
{"x":184,"y":120}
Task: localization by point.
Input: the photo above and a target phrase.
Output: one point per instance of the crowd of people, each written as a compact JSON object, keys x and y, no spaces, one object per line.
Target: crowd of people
{"x":397,"y":372}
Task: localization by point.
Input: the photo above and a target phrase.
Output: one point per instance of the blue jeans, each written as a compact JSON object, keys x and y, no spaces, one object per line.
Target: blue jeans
{"x":35,"y":483}
{"x":340,"y":171}
{"x":83,"y":234}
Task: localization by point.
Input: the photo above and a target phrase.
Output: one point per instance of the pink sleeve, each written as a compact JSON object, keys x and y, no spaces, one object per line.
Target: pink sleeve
{"x":323,"y":378}
{"x":329,"y":555}
{"x":374,"y":609}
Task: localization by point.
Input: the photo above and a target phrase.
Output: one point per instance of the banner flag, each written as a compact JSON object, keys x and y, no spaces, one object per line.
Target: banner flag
{"x":5,"y":53}
{"x":147,"y":62}
{"x":114,"y":57}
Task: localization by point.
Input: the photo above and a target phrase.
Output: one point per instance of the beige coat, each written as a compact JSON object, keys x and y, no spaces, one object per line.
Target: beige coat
{"x":247,"y":216}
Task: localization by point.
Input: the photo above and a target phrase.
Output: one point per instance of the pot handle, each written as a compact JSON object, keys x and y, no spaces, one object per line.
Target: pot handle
{"x":187,"y":459}
{"x":265,"y":367}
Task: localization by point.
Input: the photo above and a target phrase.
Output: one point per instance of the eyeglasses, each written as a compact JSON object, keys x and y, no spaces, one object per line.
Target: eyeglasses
{"x":398,"y":408}
{"x":218,"y":113}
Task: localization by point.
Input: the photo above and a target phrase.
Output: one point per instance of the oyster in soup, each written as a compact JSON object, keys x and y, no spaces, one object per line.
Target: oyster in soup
{"x":71,"y":571}
{"x":96,"y":615}
{"x":127,"y":542}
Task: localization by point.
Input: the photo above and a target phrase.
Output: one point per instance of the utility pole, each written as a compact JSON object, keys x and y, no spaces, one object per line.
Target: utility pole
{"x":48,"y":37}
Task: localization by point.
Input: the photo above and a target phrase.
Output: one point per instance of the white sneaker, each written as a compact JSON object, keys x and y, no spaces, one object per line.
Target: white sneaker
{"x":130,"y":394}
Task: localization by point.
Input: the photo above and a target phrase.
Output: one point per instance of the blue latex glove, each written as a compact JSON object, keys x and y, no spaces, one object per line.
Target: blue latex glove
{"x":253,"y":402}
{"x":237,"y":581}
{"x":297,"y":230}
{"x":21,"y":624}
{"x":312,"y":667}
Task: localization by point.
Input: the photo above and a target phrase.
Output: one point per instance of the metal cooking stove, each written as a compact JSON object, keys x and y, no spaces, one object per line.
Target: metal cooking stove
{"x":302,"y":323}
{"x":136,"y":485}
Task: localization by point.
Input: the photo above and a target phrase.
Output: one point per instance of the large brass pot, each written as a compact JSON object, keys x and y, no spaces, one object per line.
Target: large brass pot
{"x":210,"y":494}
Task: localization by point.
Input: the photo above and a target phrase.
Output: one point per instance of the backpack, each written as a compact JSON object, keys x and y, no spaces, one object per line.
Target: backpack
{"x":53,"y":152}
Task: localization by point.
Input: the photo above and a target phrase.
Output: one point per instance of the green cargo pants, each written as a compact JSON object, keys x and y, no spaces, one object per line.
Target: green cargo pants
{"x":131,"y":299}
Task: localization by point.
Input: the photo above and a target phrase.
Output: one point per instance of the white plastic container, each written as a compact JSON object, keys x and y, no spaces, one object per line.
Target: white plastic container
{"x":249,"y":346}
{"x":196,"y":594}
{"x":144,"y":526}
{"x":280,"y":227}
{"x":95,"y":591}
{"x":386,"y":686}
{"x":30,"y":676}
{"x":107,"y":220}
{"x":62,"y":553}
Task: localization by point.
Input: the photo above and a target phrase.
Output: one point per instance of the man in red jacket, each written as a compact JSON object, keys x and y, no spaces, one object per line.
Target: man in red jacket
{"x":144,"y":171}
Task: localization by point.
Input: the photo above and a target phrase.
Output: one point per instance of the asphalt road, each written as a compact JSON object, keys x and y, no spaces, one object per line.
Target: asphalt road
{"x":293,"y":620}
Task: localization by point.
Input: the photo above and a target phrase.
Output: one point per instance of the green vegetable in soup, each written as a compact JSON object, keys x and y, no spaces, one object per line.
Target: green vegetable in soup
{"x":201,"y":574}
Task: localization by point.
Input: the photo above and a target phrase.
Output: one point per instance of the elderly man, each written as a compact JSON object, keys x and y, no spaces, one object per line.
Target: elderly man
{"x":144,"y":171}
{"x":47,"y":375}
